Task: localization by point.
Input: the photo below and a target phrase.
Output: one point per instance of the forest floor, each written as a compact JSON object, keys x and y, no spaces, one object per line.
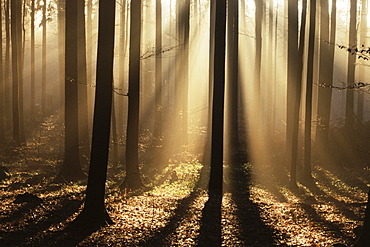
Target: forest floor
{"x":37,"y":211}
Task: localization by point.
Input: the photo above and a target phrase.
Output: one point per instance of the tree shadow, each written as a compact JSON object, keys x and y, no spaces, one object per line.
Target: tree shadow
{"x":36,"y":231}
{"x":210,"y":228}
{"x":160,"y":237}
{"x":253,"y":231}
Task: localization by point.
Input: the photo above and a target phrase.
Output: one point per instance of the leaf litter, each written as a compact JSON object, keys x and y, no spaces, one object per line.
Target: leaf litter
{"x":172,"y":214}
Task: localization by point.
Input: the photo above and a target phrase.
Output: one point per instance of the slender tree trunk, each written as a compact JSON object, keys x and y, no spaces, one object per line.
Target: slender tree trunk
{"x":71,"y":169}
{"x":7,"y":88}
{"x":83,"y":118}
{"x":325,"y":75}
{"x":258,"y":32}
{"x":232,"y":80}
{"x":2,"y":88}
{"x":211,"y":62}
{"x":217,"y":143}
{"x":158,"y":135}
{"x":309,"y":84}
{"x":122,"y":67}
{"x":94,"y":211}
{"x":43,"y":78}
{"x":294,"y":82}
{"x":20,"y":43}
{"x":363,"y":36}
{"x":61,"y":49}
{"x":350,"y":115}
{"x":33,"y":70}
{"x":185,"y":68}
{"x":15,"y":22}
{"x":132,"y":179}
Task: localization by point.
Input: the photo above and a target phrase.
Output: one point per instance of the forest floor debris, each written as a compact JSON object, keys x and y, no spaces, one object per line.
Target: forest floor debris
{"x":36,"y":211}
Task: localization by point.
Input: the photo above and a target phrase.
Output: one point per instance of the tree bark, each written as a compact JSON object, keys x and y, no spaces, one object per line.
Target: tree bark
{"x":309,"y":84}
{"x":71,"y":169}
{"x":232,"y":80}
{"x":350,"y":115}
{"x":217,"y":143}
{"x":293,"y":87}
{"x":94,"y":211}
{"x":83,"y":118}
{"x":43,"y":77}
{"x":16,"y":13}
{"x":33,"y":70}
{"x":132,"y":179}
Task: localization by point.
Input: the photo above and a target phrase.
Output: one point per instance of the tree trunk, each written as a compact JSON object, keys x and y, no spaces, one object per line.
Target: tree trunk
{"x":232,"y":81}
{"x":132,"y":179}
{"x":217,"y":143}
{"x":15,"y":22}
{"x":94,"y":212}
{"x":33,"y":70}
{"x":158,"y":134}
{"x":309,"y":84}
{"x":71,"y":169}
{"x":2,"y":108}
{"x":61,"y":50}
{"x":325,"y":75}
{"x":363,"y":37}
{"x":350,"y":115}
{"x":7,"y":87}
{"x":294,"y":88}
{"x":43,"y":78}
{"x":83,"y":118}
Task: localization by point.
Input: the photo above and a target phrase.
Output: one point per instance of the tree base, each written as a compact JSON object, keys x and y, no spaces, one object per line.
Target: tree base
{"x":66,"y":176}
{"x":131,"y":183}
{"x":93,"y":217}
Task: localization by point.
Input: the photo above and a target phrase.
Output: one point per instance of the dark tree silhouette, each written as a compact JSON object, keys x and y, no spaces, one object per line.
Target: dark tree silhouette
{"x":43,"y":78}
{"x":61,"y":46}
{"x":71,"y":168}
{"x":16,"y":37}
{"x":2,"y":115}
{"x":350,"y":115}
{"x":133,"y":179}
{"x":94,"y":211}
{"x":217,"y":143}
{"x":309,"y":84}
{"x":326,"y":63}
{"x":232,"y":91}
{"x":33,"y":69}
{"x":83,"y":118}
{"x":292,"y":84}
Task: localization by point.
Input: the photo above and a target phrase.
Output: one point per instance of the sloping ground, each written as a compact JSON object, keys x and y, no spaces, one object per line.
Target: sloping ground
{"x":35,"y":211}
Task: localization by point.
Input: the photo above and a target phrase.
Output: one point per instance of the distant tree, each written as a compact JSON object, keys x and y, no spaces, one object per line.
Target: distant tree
{"x":2,"y":114}
{"x":259,"y":20}
{"x":33,"y":70}
{"x":83,"y":118}
{"x":61,"y":47}
{"x":16,"y":37}
{"x":326,"y":61}
{"x":94,"y":211}
{"x":158,"y":133}
{"x":133,"y":179}
{"x":293,"y":85}
{"x":351,"y":60}
{"x":217,"y":142}
{"x":362,"y":73}
{"x":309,"y":84}
{"x":71,"y":168}
{"x":44,"y":46}
{"x":7,"y":91}
{"x":232,"y":80}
